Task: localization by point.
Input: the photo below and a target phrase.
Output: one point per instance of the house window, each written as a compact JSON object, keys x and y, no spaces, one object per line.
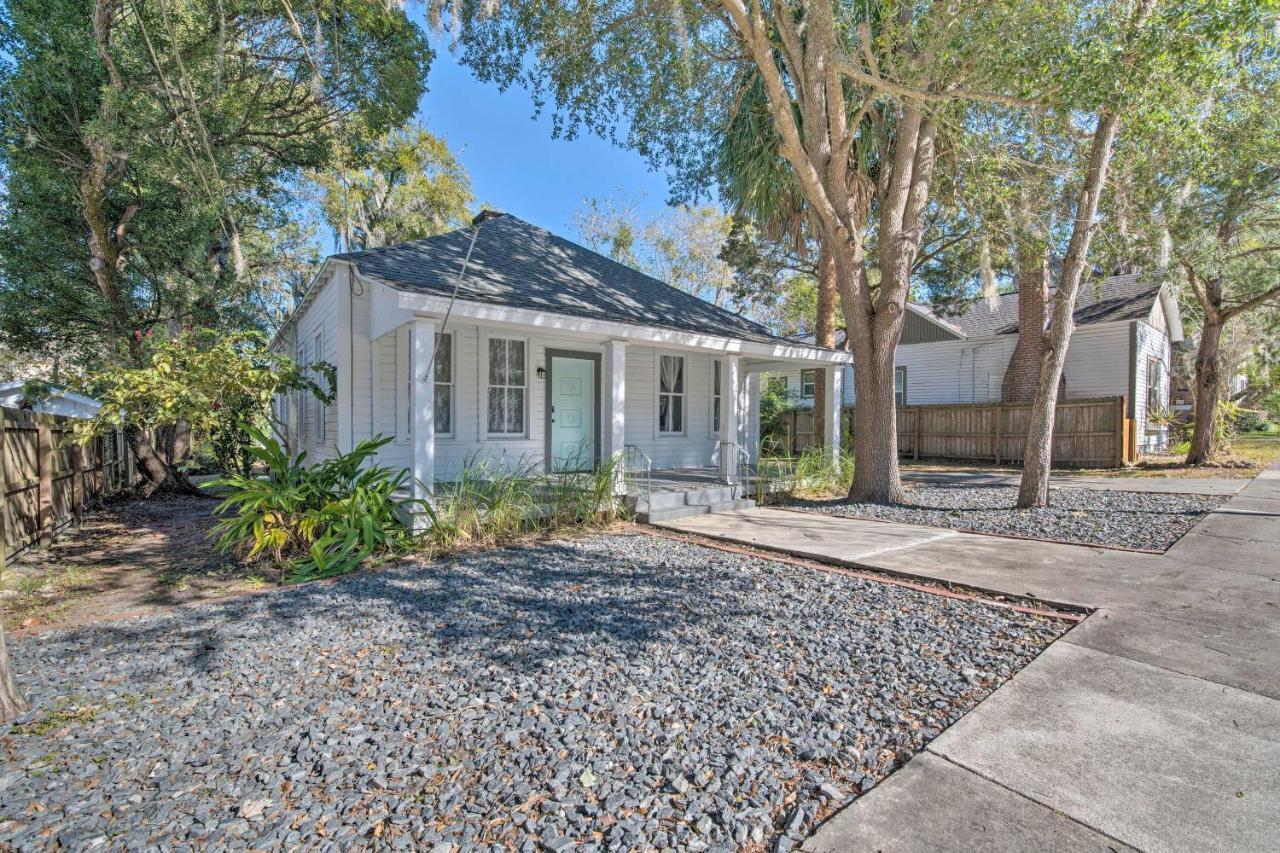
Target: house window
{"x":671,"y":394}
{"x":317,"y":353}
{"x":507,"y":386}
{"x":808,"y":384}
{"x":899,"y":386}
{"x":444,"y":385}
{"x":1155,"y":379}
{"x":715,"y":398}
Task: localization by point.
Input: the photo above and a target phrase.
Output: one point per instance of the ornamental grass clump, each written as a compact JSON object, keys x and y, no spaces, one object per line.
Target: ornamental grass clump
{"x":313,"y":522}
{"x":812,"y":473}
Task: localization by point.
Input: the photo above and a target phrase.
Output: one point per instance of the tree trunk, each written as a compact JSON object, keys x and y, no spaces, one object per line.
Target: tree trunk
{"x":1208,"y":390}
{"x":1037,"y":456}
{"x":12,"y":702}
{"x":824,"y":335}
{"x":875,"y":431}
{"x":157,"y":474}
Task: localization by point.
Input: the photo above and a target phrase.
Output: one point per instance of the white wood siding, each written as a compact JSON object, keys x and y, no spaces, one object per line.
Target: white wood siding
{"x":1152,"y":343}
{"x":696,"y":445}
{"x":319,"y":316}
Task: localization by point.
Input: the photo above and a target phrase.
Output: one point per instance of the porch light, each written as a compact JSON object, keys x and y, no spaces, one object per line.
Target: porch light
{"x":542,"y":372}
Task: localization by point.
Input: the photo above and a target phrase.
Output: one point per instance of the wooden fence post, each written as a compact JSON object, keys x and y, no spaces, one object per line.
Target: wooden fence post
{"x":77,"y":484}
{"x":915,"y":443}
{"x":997,"y":416}
{"x":44,"y":463}
{"x":1118,"y":407}
{"x":4,"y":484}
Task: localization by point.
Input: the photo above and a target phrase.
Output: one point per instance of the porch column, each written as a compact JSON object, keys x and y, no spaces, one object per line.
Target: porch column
{"x":751,"y":425}
{"x":613,"y":432}
{"x":422,"y":344}
{"x":729,"y":395}
{"x":831,"y":415}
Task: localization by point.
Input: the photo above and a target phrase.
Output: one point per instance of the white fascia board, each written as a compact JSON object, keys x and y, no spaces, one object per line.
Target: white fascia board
{"x":1172,"y":314}
{"x":506,"y":315}
{"x":385,"y":313}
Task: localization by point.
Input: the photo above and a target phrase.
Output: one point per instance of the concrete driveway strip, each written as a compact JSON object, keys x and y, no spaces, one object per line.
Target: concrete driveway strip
{"x":933,"y":804}
{"x":1155,"y":759}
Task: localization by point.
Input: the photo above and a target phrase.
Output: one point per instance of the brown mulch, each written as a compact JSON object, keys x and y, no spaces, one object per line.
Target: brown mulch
{"x":131,"y":557}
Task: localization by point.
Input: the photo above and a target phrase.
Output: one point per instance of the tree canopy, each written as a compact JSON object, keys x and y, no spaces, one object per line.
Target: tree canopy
{"x":150,"y":151}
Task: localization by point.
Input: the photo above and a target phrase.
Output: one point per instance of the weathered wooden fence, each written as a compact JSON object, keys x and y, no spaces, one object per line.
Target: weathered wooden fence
{"x":1088,"y":432}
{"x":46,"y":482}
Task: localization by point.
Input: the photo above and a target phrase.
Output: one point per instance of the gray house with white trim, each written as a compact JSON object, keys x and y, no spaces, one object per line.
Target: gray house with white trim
{"x":542,"y":354}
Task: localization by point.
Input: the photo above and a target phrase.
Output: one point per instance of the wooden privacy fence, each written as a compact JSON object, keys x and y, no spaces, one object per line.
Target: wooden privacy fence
{"x":46,"y":482}
{"x":1088,"y":432}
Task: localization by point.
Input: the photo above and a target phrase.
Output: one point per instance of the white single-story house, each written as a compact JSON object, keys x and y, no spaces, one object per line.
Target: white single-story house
{"x":542,"y":354}
{"x":58,"y":400}
{"x":1122,"y":346}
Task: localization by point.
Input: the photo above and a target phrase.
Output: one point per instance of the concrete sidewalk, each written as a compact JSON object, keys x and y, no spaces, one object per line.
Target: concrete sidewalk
{"x":1154,"y":725}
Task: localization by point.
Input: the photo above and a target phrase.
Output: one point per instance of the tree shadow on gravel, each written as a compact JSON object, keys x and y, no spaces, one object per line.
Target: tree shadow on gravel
{"x":514,"y":607}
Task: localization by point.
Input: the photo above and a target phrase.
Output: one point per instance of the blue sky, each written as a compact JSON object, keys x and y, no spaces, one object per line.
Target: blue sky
{"x":514,"y":162}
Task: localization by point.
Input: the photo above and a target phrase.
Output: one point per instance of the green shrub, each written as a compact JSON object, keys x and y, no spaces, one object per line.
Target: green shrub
{"x":312,"y":522}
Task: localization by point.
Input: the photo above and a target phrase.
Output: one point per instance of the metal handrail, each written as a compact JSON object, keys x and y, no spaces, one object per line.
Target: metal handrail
{"x":632,"y":458}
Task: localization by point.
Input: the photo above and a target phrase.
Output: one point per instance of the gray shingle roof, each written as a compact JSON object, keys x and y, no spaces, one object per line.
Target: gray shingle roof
{"x":519,"y":264}
{"x":1121,"y":297}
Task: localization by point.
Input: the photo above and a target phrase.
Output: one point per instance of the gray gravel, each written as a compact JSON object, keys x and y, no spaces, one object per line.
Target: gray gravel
{"x":1114,"y":519}
{"x":615,"y":692}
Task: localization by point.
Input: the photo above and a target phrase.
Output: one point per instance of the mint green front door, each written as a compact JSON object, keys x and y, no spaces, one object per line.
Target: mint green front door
{"x":572,"y":413}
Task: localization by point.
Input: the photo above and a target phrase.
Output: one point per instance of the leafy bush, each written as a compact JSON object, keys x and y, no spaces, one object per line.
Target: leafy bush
{"x":1252,"y":420}
{"x":312,"y":522}
{"x":811,"y":474}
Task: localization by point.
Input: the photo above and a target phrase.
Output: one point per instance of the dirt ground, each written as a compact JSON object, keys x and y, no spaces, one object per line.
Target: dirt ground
{"x":131,"y":557}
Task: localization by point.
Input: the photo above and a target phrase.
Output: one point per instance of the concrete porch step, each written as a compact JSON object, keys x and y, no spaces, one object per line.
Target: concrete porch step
{"x":670,"y":513}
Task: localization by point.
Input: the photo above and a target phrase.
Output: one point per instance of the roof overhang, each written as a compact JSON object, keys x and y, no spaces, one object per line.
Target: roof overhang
{"x":1172,"y":314}
{"x":392,"y":307}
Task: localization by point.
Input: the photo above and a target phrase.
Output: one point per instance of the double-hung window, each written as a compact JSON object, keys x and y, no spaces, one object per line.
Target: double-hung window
{"x":671,"y":395}
{"x":317,"y":354}
{"x":1155,"y":379}
{"x":444,"y":385}
{"x":508,"y":382}
{"x":715,"y":398}
{"x":808,"y":384}
{"x":899,"y":386}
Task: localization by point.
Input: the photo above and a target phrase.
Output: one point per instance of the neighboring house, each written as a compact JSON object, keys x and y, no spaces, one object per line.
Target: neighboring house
{"x":551,"y":357}
{"x":1125,"y":329}
{"x":58,"y":401}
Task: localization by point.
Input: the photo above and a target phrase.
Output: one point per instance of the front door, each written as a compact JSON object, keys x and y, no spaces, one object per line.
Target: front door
{"x":571,"y":410}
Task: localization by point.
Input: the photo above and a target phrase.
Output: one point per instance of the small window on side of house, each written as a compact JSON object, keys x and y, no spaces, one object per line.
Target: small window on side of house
{"x":808,"y":384}
{"x":317,"y":355}
{"x":899,"y":386}
{"x":444,"y":385}
{"x":1155,"y":378}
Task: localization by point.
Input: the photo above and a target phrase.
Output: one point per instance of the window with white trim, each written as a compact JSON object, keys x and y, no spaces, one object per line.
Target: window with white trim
{"x":671,"y":395}
{"x":899,"y":386}
{"x":808,"y":384}
{"x":507,"y":386}
{"x":715,"y":398}
{"x":1155,"y":381}
{"x":444,"y":385}
{"x":317,"y":354}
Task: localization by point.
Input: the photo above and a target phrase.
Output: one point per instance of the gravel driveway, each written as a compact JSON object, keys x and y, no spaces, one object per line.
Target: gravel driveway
{"x":615,"y":692}
{"x":1113,"y":519}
